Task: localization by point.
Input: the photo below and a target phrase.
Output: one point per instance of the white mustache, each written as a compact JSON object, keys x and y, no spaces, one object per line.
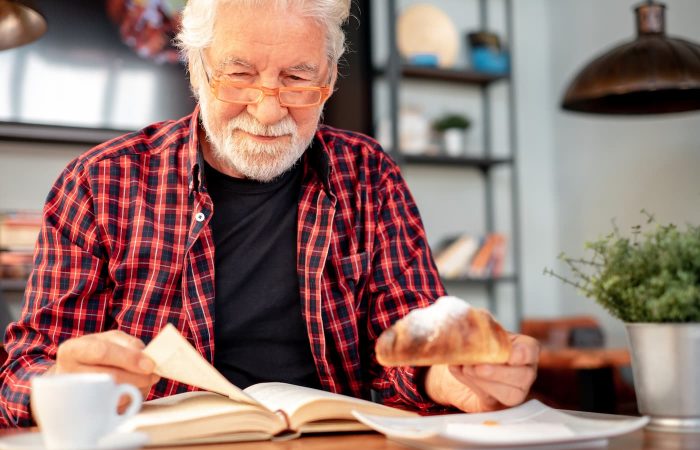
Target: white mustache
{"x":245,"y":122}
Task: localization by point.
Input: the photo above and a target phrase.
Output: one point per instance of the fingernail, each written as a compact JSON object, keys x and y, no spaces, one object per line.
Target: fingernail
{"x":484,"y":370}
{"x":147,"y":365}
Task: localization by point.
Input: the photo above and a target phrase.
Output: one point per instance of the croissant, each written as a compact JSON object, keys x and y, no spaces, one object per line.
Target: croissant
{"x":449,"y":331}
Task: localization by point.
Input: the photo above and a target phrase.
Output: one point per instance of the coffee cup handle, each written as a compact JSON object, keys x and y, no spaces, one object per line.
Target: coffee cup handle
{"x":134,"y":405}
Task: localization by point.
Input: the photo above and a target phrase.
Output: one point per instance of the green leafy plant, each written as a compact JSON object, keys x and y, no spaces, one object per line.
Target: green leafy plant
{"x":653,"y":275}
{"x":451,"y":121}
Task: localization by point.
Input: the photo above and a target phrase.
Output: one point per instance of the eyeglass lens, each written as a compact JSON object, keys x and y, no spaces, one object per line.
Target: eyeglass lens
{"x":253,"y":95}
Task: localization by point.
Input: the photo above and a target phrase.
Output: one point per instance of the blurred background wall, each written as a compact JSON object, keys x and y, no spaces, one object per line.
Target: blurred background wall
{"x":576,"y":172}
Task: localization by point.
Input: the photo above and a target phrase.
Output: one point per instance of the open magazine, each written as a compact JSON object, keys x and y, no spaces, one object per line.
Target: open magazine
{"x":225,"y":413}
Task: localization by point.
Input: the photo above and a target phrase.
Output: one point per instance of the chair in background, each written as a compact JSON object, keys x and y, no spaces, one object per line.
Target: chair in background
{"x":576,"y":370}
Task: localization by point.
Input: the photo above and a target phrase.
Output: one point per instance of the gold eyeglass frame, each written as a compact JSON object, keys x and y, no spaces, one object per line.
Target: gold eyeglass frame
{"x":215,"y":82}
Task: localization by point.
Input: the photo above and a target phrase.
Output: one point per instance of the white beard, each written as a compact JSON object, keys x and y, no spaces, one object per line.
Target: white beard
{"x":256,"y":160}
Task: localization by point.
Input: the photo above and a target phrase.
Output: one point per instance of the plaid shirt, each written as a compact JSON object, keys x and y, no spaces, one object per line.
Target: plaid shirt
{"x":125,"y":244}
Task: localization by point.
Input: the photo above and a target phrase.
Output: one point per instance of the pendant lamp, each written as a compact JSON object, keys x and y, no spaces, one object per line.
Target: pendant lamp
{"x":652,"y":74}
{"x":20,"y":23}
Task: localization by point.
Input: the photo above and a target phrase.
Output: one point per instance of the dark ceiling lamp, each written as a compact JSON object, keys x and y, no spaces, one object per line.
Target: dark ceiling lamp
{"x":653,"y":74}
{"x":20,"y":23}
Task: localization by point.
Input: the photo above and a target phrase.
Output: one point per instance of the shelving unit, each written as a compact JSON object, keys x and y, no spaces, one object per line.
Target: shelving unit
{"x":12,"y":285}
{"x":448,"y":75}
{"x":482,"y":166}
{"x":10,"y":291}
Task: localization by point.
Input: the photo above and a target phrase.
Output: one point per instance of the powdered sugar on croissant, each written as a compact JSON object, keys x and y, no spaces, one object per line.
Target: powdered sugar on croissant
{"x":449,"y":331}
{"x":427,"y":321}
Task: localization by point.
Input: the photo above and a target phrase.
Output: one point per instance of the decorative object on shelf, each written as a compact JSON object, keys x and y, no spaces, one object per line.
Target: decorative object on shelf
{"x":652,"y":74}
{"x":148,"y":26}
{"x":452,"y":128}
{"x":414,"y":132}
{"x":425,"y":29}
{"x":20,"y":23}
{"x":486,"y":54}
{"x":650,"y":281}
{"x":423,"y":60}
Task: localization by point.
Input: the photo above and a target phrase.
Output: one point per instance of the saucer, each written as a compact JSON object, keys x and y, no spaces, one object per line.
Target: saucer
{"x":114,"y":441}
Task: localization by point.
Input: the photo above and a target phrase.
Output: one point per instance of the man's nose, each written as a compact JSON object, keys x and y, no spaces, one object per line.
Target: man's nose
{"x":268,"y":111}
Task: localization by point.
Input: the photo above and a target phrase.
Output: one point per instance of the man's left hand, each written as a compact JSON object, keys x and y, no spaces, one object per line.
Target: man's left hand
{"x":487,"y":387}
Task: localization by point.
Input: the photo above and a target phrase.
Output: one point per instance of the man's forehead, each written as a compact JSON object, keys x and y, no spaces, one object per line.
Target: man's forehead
{"x":235,"y":60}
{"x":281,"y":37}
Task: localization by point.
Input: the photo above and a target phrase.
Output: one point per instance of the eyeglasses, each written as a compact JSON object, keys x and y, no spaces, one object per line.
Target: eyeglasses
{"x":249,"y":94}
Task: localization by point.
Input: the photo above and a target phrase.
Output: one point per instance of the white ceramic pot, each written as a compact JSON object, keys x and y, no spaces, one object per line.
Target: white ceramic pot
{"x":454,"y":138}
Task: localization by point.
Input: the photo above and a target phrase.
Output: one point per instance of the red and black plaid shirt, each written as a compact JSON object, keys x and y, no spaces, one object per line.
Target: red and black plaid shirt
{"x":125,"y":244}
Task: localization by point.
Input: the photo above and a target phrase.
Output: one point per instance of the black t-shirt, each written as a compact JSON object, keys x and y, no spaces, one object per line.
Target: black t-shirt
{"x":259,"y":331}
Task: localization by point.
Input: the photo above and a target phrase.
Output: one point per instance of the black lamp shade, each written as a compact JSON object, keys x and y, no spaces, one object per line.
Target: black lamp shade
{"x":20,"y":23}
{"x":653,"y":74}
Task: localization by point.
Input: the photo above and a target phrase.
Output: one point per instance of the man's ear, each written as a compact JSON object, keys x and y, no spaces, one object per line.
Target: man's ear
{"x":334,"y":77}
{"x":194,"y":75}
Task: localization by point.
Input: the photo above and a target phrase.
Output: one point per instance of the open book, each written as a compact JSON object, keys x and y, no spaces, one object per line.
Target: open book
{"x":225,"y":413}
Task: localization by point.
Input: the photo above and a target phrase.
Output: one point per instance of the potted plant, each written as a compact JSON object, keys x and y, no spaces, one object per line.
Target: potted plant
{"x":650,"y":280}
{"x":452,"y":128}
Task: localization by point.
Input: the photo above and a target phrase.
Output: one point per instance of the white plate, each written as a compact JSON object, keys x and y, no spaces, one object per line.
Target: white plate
{"x":531,"y":424}
{"x":34,"y":441}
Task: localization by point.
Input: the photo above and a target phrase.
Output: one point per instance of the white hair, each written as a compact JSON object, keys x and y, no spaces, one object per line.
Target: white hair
{"x":198,"y":19}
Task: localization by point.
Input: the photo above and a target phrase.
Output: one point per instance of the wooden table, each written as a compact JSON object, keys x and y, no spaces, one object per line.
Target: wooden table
{"x":639,"y":440}
{"x":583,"y":358}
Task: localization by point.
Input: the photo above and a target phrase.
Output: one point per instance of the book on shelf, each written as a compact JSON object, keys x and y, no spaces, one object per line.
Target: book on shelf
{"x":468,"y":256}
{"x":15,"y":264}
{"x":498,"y":256}
{"x":19,"y":230}
{"x":224,"y":413}
{"x":488,"y":261}
{"x":453,"y":259}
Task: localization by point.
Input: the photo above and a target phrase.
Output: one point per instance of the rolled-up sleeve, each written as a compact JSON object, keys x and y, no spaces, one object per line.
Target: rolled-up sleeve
{"x":404,"y":277}
{"x":66,"y":294}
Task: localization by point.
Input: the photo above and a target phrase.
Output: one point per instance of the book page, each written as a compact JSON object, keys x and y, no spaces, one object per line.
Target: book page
{"x":188,"y":406}
{"x":203,"y":417}
{"x":177,"y":360}
{"x":303,"y":404}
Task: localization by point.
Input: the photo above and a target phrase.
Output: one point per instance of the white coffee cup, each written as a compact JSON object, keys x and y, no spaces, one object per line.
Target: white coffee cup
{"x":74,"y":411}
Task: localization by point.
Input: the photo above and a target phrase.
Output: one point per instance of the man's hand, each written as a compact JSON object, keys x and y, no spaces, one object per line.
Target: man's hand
{"x":486,"y":387}
{"x":113,"y":352}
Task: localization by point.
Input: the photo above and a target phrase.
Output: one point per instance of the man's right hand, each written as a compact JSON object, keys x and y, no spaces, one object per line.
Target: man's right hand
{"x":113,"y":352}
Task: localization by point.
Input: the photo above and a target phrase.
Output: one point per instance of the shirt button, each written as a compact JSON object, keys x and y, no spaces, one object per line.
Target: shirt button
{"x":199,"y":217}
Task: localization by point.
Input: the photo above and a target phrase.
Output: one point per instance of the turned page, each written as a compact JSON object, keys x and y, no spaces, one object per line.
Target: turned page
{"x":302,"y":404}
{"x":177,"y":360}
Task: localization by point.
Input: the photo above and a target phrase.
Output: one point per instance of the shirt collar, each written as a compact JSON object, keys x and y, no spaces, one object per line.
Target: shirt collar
{"x":316,"y":157}
{"x":194,"y":154}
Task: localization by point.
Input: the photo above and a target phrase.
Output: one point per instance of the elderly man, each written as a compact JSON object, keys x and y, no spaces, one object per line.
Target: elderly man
{"x":279,"y":247}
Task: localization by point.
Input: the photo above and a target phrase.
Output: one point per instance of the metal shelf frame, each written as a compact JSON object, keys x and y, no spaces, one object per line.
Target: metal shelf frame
{"x":395,"y":72}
